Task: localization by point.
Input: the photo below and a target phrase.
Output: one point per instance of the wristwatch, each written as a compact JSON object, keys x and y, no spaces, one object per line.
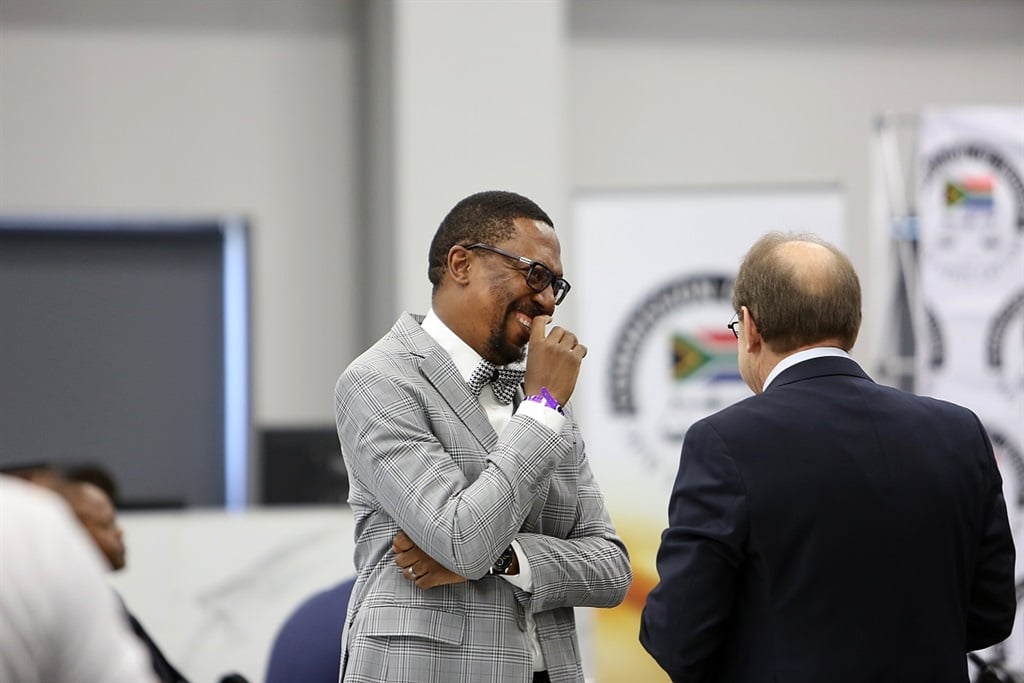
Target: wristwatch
{"x":504,"y":561}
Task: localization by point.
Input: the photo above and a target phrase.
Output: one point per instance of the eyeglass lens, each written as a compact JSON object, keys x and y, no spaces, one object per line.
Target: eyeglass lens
{"x":539,"y":277}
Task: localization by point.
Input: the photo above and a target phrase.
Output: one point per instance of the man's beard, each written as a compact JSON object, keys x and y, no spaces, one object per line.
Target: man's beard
{"x":504,"y":352}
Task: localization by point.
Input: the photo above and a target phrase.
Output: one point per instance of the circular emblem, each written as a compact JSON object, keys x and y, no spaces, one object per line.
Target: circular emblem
{"x":1011,"y":465}
{"x":673,"y":361}
{"x":935,"y":353}
{"x":971,"y":205}
{"x":1006,"y":346}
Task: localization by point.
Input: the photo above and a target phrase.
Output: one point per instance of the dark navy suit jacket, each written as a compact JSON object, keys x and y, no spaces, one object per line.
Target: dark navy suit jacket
{"x":832,"y":529}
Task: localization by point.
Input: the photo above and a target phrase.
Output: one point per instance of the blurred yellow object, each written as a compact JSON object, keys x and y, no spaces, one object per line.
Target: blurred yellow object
{"x":619,"y":657}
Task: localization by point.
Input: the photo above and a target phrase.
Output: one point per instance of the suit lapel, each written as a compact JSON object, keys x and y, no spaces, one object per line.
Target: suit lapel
{"x":439,"y":370}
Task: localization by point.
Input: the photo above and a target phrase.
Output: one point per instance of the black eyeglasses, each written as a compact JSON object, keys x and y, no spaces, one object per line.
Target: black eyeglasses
{"x":734,"y":325}
{"x":538,"y":276}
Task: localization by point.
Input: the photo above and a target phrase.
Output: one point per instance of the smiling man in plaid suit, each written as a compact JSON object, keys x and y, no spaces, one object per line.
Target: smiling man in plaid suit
{"x":479,"y":525}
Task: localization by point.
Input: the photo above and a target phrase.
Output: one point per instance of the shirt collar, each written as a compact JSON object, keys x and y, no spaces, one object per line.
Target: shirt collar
{"x":800,"y":357}
{"x":461,"y":353}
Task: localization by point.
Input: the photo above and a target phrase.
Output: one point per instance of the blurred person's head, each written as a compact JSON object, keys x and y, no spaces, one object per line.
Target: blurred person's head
{"x":40,"y":473}
{"x":95,"y":474}
{"x":95,"y":512}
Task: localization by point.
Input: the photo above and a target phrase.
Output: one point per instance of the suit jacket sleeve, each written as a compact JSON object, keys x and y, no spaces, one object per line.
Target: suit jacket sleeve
{"x":390,"y":447}
{"x":590,"y":566}
{"x":993,"y":601}
{"x":686,"y":618}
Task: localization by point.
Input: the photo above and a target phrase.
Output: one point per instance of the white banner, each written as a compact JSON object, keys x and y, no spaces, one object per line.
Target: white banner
{"x":969,"y":317}
{"x":655,"y":271}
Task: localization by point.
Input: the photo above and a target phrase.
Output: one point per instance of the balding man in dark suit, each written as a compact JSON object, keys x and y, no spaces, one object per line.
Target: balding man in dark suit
{"x":827,"y":528}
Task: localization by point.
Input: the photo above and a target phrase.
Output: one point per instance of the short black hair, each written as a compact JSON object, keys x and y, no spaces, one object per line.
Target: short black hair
{"x":97,"y":475}
{"x":486,"y":217}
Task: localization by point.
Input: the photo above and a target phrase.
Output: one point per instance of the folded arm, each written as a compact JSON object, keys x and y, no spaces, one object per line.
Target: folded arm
{"x":394,"y":456}
{"x":590,"y":566}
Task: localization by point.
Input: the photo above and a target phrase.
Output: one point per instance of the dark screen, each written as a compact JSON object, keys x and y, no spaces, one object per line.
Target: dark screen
{"x":112,"y":353}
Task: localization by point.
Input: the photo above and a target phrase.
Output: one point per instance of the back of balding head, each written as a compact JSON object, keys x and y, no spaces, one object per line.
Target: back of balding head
{"x":801,"y":291}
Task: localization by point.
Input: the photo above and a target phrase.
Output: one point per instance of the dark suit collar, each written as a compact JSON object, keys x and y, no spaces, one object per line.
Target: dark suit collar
{"x":819,"y":367}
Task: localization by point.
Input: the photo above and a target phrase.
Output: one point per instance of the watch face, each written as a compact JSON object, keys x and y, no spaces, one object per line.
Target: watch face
{"x":504,"y":561}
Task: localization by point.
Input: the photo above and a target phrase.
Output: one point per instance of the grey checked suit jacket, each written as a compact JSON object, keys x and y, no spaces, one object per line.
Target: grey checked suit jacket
{"x":422,"y":457}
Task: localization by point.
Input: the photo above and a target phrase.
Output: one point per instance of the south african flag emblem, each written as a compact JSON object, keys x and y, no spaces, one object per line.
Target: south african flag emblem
{"x":706,"y":354}
{"x":973,"y":193}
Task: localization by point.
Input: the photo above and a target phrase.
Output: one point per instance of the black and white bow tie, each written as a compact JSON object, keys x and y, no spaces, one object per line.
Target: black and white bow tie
{"x":503,"y":380}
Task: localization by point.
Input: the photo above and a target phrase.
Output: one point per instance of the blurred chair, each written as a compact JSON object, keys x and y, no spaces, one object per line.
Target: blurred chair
{"x":307,"y":647}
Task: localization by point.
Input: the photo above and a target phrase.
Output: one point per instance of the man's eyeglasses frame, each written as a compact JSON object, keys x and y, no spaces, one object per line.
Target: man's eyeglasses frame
{"x":538,"y":276}
{"x":734,"y":325}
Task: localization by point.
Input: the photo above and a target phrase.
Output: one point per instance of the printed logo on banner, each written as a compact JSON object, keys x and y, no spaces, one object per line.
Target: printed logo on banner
{"x":1006,"y":347}
{"x":1011,"y":466}
{"x":935,"y":352}
{"x":673,"y":362}
{"x":978,"y":200}
{"x":931,"y":349}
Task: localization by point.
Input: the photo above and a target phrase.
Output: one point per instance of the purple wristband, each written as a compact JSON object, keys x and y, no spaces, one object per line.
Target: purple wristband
{"x":545,"y":399}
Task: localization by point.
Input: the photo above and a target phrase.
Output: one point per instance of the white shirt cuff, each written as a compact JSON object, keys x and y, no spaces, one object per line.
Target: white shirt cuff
{"x":541,"y":413}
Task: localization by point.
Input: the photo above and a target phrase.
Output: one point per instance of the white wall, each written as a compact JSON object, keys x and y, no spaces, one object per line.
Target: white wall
{"x":479,"y":105}
{"x":204,"y":107}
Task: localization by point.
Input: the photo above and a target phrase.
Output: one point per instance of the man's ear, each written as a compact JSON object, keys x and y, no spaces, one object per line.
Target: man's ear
{"x":459,"y":262}
{"x":752,"y":336}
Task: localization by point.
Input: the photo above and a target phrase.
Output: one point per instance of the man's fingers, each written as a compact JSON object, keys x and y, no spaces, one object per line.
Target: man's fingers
{"x":537,"y":327}
{"x":401,"y":543}
{"x":557,"y":335}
